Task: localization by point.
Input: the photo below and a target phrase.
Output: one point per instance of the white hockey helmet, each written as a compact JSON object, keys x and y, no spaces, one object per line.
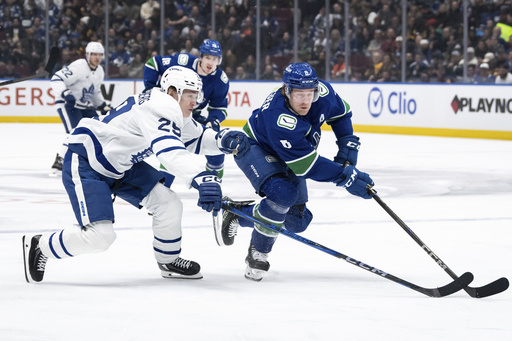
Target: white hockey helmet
{"x":181,"y":78}
{"x":94,"y":47}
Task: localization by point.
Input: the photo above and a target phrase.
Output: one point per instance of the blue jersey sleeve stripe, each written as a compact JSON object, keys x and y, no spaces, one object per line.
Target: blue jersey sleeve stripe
{"x":161,"y":138}
{"x":170,"y":149}
{"x":98,"y":150}
{"x":56,"y":80}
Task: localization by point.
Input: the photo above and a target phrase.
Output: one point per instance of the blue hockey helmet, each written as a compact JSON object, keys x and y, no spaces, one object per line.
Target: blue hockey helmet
{"x":300,"y":76}
{"x":212,"y":48}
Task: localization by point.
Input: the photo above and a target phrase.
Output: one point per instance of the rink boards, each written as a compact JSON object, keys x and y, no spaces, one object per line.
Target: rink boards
{"x":476,"y":111}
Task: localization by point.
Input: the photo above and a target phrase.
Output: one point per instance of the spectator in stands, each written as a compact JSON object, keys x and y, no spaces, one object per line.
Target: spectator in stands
{"x":485,"y":75}
{"x":269,"y":73}
{"x":373,"y":72}
{"x":285,"y":46}
{"x":189,"y":48}
{"x":338,"y":70}
{"x":149,"y":9}
{"x":249,"y":66}
{"x":10,"y":71}
{"x":503,"y":76}
{"x":375,"y":44}
{"x":417,"y":67}
{"x":240,"y":73}
{"x":389,"y":42}
{"x":120,"y":56}
{"x":453,"y":68}
{"x":490,"y":59}
{"x":319,"y":45}
{"x":178,"y":18}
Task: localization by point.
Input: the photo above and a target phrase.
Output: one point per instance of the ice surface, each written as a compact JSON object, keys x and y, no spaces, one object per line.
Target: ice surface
{"x":453,"y":193}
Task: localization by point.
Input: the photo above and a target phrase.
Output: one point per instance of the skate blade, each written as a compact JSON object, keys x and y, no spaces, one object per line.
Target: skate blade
{"x":26,"y":250}
{"x":217,"y":229}
{"x":55,"y":173}
{"x":173,"y":275}
{"x":254,"y":274}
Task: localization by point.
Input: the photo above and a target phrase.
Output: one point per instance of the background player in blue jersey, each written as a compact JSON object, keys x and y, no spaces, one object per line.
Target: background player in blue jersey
{"x":215,"y":87}
{"x":284,"y":135}
{"x":105,"y":159}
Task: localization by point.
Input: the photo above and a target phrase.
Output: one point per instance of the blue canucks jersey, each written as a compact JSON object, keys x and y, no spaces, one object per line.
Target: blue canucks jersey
{"x":294,"y":138}
{"x":215,"y":85}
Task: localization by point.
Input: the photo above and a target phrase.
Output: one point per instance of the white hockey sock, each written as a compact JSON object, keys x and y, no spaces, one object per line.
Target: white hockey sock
{"x":70,"y":242}
{"x":167,"y":210}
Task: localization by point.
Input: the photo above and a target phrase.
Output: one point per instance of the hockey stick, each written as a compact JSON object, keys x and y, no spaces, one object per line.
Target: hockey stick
{"x":52,"y":60}
{"x":458,"y":283}
{"x":490,"y":289}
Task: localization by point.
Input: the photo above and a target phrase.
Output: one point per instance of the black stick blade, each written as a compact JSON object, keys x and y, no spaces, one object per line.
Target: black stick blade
{"x":457,"y":285}
{"x":52,"y":59}
{"x":490,"y":289}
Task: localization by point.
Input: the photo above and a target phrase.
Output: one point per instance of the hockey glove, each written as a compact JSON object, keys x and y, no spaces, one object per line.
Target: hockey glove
{"x":104,"y":108}
{"x":212,"y":122}
{"x":355,"y":182}
{"x":199,"y":118}
{"x":348,"y":149}
{"x":69,"y":98}
{"x":210,"y":193}
{"x":233,"y":142}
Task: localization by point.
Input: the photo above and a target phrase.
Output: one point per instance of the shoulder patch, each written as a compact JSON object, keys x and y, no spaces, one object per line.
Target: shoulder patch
{"x":287,"y":121}
{"x":224,"y":77}
{"x":323,"y":90}
{"x":182,"y":59}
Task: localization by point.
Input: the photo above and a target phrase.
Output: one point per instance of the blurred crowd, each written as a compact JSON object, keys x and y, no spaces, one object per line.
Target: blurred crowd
{"x":433,"y":37}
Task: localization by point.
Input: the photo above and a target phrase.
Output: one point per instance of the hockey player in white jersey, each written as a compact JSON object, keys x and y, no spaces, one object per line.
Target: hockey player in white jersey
{"x":77,"y":92}
{"x":105,"y":159}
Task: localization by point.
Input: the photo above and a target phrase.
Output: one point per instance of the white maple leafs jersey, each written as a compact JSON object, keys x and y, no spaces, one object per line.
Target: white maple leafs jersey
{"x":144,"y":124}
{"x":83,"y":83}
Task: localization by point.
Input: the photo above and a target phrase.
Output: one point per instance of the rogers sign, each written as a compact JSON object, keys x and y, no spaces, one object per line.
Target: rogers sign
{"x":482,"y":105}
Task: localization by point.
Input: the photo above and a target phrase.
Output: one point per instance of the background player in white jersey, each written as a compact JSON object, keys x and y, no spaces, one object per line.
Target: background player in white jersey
{"x":77,"y":92}
{"x":215,"y":87}
{"x":105,"y":158}
{"x":284,"y":135}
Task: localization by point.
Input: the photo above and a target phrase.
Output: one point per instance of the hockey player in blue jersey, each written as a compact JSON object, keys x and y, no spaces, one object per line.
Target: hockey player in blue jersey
{"x":105,"y":159}
{"x":284,"y":135}
{"x":215,"y":87}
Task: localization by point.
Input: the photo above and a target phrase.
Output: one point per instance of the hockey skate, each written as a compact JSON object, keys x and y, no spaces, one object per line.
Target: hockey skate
{"x":57,"y":166}
{"x":181,"y":268}
{"x":257,"y":264}
{"x":34,"y":260}
{"x":225,"y":233}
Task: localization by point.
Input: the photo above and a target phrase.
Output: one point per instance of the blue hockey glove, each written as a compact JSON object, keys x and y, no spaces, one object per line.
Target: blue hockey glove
{"x":212,"y":122}
{"x":233,"y":142}
{"x":210,"y":193}
{"x":348,"y":149}
{"x":199,"y":118}
{"x":104,"y":108}
{"x":69,"y":98}
{"x":355,"y":182}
